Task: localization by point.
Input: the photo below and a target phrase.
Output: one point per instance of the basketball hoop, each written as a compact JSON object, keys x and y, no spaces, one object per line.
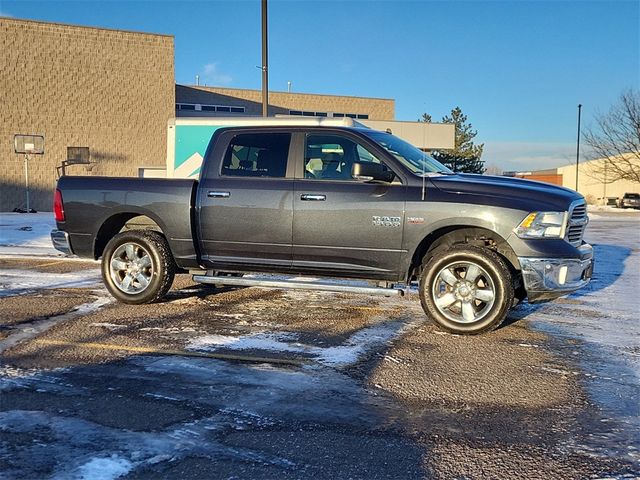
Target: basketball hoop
{"x":76,"y":156}
{"x":28,"y":145}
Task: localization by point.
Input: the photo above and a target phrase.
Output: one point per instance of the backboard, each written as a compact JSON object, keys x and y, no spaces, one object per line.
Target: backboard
{"x":29,"y":144}
{"x":78,"y":154}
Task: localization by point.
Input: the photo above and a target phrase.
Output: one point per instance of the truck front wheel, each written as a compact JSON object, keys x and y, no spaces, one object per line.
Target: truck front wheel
{"x":466,"y":289}
{"x":137,"y":267}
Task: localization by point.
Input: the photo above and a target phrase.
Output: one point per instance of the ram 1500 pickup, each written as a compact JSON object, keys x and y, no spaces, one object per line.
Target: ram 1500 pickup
{"x":332,"y":202}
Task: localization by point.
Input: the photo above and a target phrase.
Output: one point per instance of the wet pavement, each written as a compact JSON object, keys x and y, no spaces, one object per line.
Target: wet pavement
{"x":257,"y":383}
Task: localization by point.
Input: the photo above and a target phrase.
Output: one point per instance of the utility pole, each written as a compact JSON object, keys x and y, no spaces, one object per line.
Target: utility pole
{"x":578,"y":145}
{"x":265,"y":62}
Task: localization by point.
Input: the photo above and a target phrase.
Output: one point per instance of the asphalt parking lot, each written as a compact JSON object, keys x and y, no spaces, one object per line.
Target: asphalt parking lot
{"x":260,"y":383}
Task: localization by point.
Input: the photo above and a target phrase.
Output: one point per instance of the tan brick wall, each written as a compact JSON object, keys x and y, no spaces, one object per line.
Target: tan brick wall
{"x":282,"y":102}
{"x":110,"y":90}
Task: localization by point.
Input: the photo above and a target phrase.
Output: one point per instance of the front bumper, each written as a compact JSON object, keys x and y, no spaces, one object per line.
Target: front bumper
{"x":60,"y":240}
{"x":549,"y":278}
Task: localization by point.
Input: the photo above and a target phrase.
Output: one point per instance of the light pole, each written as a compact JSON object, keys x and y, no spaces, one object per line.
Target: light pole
{"x":265,"y":62}
{"x":578,"y":144}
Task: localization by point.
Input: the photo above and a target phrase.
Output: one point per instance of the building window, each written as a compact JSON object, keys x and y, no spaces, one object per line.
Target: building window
{"x":307,"y":113}
{"x":209,"y":108}
{"x":363,"y":116}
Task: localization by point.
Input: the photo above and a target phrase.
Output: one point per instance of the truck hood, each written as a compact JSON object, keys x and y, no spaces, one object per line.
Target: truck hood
{"x":508,"y":191}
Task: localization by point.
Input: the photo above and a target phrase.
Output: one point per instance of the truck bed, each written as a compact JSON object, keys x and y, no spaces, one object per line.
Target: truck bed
{"x":93,"y":204}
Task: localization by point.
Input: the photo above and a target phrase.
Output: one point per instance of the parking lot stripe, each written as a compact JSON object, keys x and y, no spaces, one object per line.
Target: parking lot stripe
{"x":182,"y":353}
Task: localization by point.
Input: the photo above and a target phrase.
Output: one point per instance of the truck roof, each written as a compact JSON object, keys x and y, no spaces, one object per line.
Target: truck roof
{"x":289,"y":121}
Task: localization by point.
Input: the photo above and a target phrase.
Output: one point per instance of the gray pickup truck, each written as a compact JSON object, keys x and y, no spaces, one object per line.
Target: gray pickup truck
{"x":332,"y":202}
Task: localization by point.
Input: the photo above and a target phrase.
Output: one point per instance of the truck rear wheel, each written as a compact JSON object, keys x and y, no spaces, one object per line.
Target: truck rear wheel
{"x":137,"y":267}
{"x":465,"y":289}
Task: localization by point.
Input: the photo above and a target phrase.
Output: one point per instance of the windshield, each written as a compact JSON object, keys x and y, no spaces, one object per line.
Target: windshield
{"x":414,"y":159}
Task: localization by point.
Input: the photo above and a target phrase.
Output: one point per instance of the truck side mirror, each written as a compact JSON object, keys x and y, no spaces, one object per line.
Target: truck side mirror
{"x":371,"y":172}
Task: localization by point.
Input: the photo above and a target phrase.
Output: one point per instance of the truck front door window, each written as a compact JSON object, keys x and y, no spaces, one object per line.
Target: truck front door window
{"x":331,"y":157}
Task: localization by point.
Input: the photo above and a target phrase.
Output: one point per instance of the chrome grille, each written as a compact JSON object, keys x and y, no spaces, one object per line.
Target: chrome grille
{"x":578,"y":220}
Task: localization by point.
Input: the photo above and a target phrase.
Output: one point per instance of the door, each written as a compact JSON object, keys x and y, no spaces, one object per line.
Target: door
{"x":343,"y":226}
{"x":245,"y":203}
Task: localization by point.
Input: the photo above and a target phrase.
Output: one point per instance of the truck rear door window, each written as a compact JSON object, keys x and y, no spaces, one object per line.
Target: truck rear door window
{"x":257,"y":155}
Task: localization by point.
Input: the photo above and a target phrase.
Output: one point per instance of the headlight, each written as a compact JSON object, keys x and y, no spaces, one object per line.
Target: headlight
{"x":543,"y":225}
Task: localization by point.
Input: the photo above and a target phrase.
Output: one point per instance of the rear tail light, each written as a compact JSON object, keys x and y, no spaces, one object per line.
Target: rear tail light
{"x":58,"y":206}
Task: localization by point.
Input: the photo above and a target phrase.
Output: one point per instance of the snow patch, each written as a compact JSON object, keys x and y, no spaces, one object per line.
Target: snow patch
{"x":18,"y":282}
{"x":27,"y":234}
{"x":343,"y":355}
{"x":604,"y":317}
{"x":32,"y":329}
{"x":109,"y":326}
{"x":105,"y":468}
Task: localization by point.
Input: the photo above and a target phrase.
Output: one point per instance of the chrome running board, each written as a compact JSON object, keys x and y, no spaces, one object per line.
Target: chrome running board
{"x":293,"y":284}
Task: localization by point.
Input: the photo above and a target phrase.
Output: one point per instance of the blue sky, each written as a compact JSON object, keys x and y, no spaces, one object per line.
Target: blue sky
{"x":518,"y":69}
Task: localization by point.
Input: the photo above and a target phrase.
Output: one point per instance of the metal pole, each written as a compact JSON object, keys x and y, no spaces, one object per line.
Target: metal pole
{"x":26,"y":179}
{"x":605,"y":183}
{"x":265,"y":62}
{"x":578,"y":145}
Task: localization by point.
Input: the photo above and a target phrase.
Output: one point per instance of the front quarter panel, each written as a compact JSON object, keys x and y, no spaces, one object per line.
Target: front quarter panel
{"x":442,"y":210}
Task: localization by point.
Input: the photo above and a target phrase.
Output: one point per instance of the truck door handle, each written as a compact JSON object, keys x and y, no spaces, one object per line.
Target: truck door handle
{"x":212,"y":194}
{"x":313,"y":197}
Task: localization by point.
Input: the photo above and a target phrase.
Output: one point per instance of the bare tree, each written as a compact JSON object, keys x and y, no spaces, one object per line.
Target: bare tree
{"x":615,"y":139}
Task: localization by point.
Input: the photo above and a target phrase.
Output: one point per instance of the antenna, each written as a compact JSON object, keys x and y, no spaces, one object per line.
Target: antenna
{"x":424,"y":186}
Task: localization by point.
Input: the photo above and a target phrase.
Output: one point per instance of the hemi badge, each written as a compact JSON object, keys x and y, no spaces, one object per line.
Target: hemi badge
{"x":415,"y":220}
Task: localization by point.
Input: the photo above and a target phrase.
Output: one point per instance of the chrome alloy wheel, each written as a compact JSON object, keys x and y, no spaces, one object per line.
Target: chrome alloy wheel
{"x":463,"y":292}
{"x":131,"y":268}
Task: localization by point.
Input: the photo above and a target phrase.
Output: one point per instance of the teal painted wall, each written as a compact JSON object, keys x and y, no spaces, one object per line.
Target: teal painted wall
{"x":191,"y":139}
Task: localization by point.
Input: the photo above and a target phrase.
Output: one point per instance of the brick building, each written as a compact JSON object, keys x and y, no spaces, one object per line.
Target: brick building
{"x":114,"y":92}
{"x":598,"y":187}
{"x":110,"y":90}
{"x":200,"y":101}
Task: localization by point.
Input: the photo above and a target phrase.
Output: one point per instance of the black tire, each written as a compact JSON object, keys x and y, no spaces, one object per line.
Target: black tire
{"x":151,"y":262}
{"x":471,"y":310}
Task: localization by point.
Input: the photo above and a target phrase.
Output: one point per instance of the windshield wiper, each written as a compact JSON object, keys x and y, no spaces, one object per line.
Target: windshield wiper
{"x":439,"y":172}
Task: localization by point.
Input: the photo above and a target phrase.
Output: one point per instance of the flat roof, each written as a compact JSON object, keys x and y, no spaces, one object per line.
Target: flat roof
{"x":284,"y":93}
{"x":41,"y":22}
